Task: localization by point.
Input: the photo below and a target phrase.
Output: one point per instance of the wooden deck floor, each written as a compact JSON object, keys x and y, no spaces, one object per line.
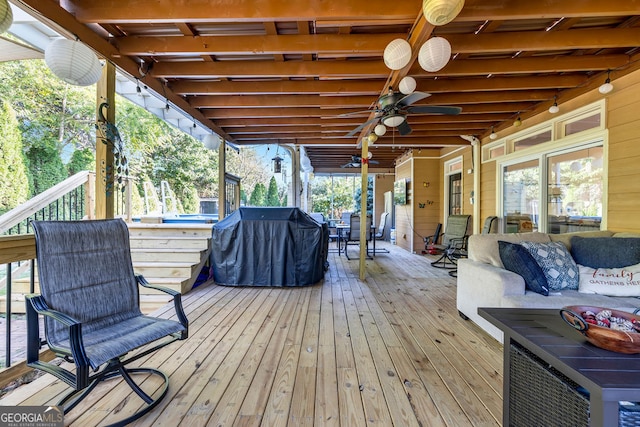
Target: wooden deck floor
{"x":387,"y":351}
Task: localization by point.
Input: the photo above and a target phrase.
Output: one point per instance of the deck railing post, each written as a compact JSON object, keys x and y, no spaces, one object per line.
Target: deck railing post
{"x":7,"y":347}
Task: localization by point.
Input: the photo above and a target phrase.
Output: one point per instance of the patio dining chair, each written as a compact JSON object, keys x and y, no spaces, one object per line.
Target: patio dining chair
{"x":454,"y":241}
{"x":90,"y":302}
{"x":382,"y":227}
{"x":353,"y":235}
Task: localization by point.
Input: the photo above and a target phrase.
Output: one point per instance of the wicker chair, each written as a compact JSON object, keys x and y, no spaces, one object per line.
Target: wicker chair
{"x":90,"y":302}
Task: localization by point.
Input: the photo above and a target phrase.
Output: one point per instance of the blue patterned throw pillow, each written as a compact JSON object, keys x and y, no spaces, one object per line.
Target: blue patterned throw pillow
{"x":516,"y":258}
{"x":556,"y":262}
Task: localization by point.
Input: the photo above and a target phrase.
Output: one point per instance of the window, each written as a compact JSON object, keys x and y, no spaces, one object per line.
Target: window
{"x":455,"y":194}
{"x":575,"y":186}
{"x":582,"y":124}
{"x":532,"y":140}
{"x":521,"y":195}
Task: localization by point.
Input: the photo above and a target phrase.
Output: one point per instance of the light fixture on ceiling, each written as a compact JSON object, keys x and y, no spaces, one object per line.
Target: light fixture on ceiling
{"x":372,"y":138}
{"x":138,"y":88}
{"x":606,"y":87}
{"x":493,"y":134}
{"x":397,"y":54}
{"x":517,"y":122}
{"x":434,"y":54}
{"x":166,"y":105}
{"x":393,"y":120}
{"x":407,"y":85}
{"x":441,"y":12}
{"x":73,"y":62}
{"x":6,"y":16}
{"x":554,"y":108}
{"x":380,"y":129}
{"x":211,"y":141}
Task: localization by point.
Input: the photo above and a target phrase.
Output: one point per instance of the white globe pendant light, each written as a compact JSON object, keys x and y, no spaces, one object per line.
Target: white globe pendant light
{"x":434,"y":54}
{"x":73,"y":62}
{"x":407,"y":85}
{"x":6,"y":16}
{"x":211,"y":141}
{"x":441,"y":12}
{"x":380,"y":129}
{"x":397,"y":54}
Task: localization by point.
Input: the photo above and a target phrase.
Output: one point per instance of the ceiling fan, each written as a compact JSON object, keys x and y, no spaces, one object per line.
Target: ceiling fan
{"x":394,"y":107}
{"x":356,"y":162}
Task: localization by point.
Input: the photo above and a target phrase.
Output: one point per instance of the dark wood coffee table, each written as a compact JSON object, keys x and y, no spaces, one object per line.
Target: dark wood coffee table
{"x":608,"y":377}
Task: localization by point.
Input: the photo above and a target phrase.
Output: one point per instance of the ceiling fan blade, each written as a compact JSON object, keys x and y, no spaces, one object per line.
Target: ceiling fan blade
{"x":355,"y":113}
{"x":359,"y":128}
{"x":404,"y":128}
{"x":374,"y":162}
{"x":434,"y":109}
{"x":412,"y":98}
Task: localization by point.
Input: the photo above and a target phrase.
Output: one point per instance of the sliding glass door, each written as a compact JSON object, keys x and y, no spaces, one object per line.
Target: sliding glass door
{"x":521,"y":195}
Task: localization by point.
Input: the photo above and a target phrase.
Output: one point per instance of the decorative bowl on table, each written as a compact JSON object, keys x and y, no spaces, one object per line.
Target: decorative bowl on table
{"x":612,"y":330}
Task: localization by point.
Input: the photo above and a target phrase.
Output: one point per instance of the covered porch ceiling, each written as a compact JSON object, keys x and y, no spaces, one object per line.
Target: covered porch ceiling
{"x":270,"y":71}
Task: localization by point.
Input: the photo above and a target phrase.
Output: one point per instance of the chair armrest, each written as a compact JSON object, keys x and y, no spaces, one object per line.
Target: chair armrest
{"x":177,"y":301}
{"x":35,"y":304}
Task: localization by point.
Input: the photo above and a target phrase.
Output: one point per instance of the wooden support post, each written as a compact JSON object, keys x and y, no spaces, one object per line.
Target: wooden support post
{"x":363,"y":205}
{"x":105,"y":187}
{"x":222,"y":187}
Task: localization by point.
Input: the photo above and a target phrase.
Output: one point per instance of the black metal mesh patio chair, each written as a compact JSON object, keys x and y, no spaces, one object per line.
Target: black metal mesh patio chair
{"x":90,"y":302}
{"x":353,"y":235}
{"x":454,"y":241}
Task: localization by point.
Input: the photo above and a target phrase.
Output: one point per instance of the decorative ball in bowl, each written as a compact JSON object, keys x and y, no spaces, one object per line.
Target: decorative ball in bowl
{"x":612,"y":330}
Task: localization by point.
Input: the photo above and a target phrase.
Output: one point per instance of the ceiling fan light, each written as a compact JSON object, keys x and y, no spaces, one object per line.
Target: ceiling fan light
{"x":380,"y":130}
{"x":397,"y":54}
{"x":434,"y":54}
{"x":441,"y":12}
{"x":73,"y":62}
{"x":6,"y":16}
{"x":393,"y":120}
{"x":211,"y":141}
{"x":407,"y":85}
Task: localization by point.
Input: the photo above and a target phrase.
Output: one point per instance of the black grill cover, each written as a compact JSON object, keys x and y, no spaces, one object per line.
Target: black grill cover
{"x":269,"y":247}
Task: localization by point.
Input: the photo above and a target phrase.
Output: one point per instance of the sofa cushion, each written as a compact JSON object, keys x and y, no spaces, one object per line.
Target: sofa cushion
{"x":618,"y":282}
{"x":484,"y":247}
{"x":606,"y":252}
{"x":556,"y":262}
{"x":516,"y":258}
{"x":565,"y":238}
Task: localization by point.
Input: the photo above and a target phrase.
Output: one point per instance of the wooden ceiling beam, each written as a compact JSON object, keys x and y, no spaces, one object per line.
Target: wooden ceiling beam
{"x":500,"y":83}
{"x":540,"y":41}
{"x":249,"y":101}
{"x":529,"y":65}
{"x":480,"y":10}
{"x":169,"y":11}
{"x":262,"y":69}
{"x":352,"y":44}
{"x":283,"y":87}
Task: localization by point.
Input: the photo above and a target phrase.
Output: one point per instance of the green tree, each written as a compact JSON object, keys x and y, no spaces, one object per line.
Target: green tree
{"x":45,"y":166}
{"x":272,"y":193}
{"x":81,"y":160}
{"x":332,"y":195}
{"x":258,"y":195}
{"x":13,"y":172}
{"x":358,"y":197}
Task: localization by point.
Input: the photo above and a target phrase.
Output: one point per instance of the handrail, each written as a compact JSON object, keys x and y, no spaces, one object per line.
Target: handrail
{"x":24,"y":211}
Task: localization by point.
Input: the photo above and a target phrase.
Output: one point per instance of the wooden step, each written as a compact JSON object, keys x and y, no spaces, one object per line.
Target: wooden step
{"x":153,"y":242}
{"x":164,"y":269}
{"x":166,"y":255}
{"x":184,"y":230}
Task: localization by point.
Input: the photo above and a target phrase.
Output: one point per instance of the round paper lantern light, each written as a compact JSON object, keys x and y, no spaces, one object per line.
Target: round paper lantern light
{"x":397,"y":54}
{"x":441,"y":12}
{"x":73,"y":62}
{"x":6,"y":16}
{"x":380,"y":129}
{"x":407,"y":85}
{"x":211,"y":141}
{"x":434,"y":54}
{"x":372,"y":138}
